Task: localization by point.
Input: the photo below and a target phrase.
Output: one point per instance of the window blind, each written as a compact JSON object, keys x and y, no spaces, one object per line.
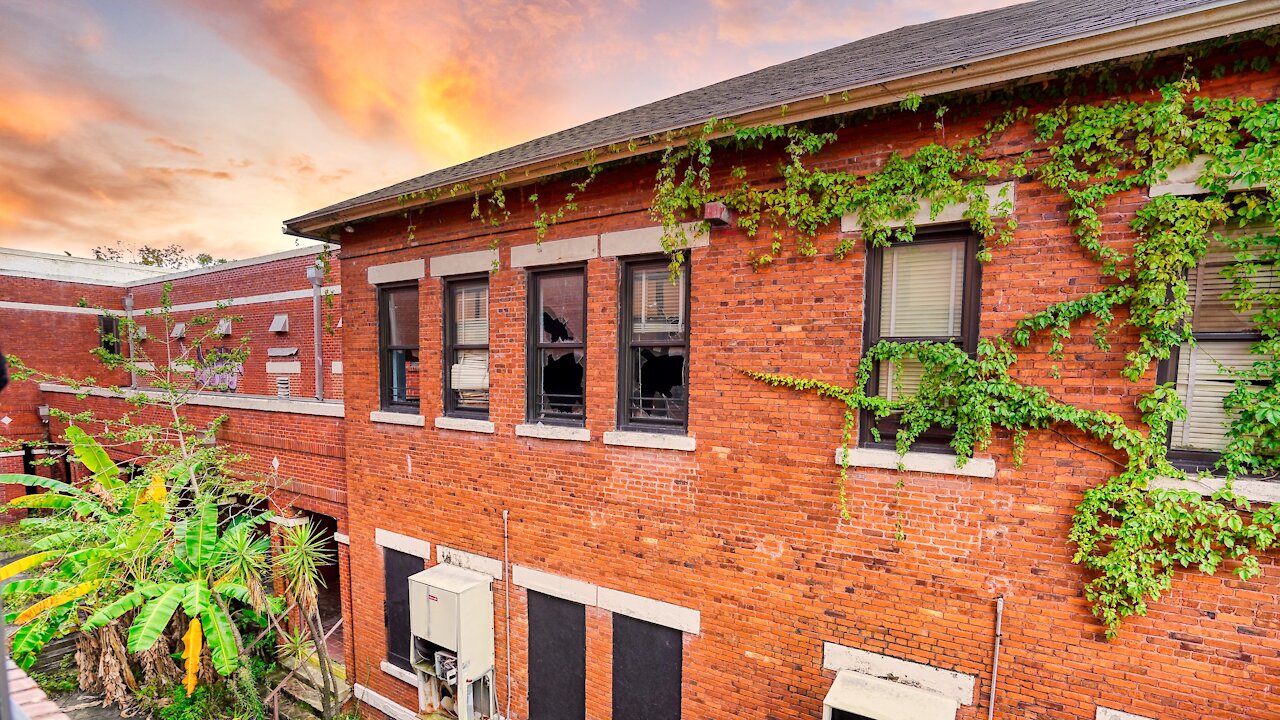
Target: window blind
{"x":472,"y":324}
{"x":658,"y":304}
{"x":922,"y":290}
{"x":1207,"y":373}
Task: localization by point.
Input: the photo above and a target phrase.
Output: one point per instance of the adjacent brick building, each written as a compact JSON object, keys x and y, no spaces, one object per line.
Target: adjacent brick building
{"x":662,"y":539}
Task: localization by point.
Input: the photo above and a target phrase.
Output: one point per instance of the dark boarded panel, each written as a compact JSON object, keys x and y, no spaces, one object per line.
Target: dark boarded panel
{"x":398,"y":567}
{"x":646,"y":670}
{"x":557,"y":658}
{"x":845,"y":715}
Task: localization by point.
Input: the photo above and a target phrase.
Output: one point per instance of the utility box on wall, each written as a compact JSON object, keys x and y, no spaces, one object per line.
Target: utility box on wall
{"x":451,"y":618}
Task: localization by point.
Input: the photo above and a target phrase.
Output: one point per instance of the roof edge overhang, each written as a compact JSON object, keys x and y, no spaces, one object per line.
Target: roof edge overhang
{"x":1155,"y":34}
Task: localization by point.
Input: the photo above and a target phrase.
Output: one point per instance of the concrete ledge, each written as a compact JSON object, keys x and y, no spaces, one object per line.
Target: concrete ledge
{"x":471,"y":561}
{"x":647,"y":240}
{"x":402,"y":543}
{"x":939,"y":463}
{"x":555,"y":585}
{"x":996,"y":194}
{"x":553,"y":432}
{"x":342,"y":538}
{"x":955,"y":686}
{"x":396,"y":418}
{"x":879,"y":699}
{"x":465,"y":425}
{"x":382,"y":704}
{"x":260,"y":403}
{"x":654,"y":611}
{"x":1109,"y":714}
{"x":398,"y":673}
{"x":555,"y":252}
{"x":1185,"y":180}
{"x":1260,"y":491}
{"x":654,"y":441}
{"x":284,"y":368}
{"x":397,"y":272}
{"x":463,"y":263}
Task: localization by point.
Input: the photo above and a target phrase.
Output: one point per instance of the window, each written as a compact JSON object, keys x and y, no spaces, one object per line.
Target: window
{"x":398,"y":347}
{"x":109,"y":333}
{"x":466,"y":353}
{"x":1206,"y":372}
{"x":557,"y":658}
{"x":647,"y":670}
{"x":926,"y":289}
{"x":558,"y":346}
{"x":654,"y":359}
{"x":397,"y":567}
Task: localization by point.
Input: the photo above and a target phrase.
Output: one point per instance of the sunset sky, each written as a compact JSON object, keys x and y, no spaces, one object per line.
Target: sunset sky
{"x":207,"y":122}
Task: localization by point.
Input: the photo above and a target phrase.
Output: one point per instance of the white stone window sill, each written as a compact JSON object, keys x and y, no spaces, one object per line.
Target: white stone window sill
{"x":553,"y":432}
{"x":399,"y":673}
{"x":940,"y":463}
{"x":1260,"y":491}
{"x":653,"y":441}
{"x":465,"y":425}
{"x":395,"y":418}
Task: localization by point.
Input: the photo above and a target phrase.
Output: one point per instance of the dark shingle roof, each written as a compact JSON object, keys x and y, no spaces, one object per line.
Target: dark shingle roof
{"x":904,"y":52}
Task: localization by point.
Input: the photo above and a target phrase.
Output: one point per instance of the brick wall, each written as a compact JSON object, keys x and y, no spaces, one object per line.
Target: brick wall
{"x":746,"y":529}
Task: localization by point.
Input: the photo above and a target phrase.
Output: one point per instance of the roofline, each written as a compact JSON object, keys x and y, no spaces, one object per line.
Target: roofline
{"x":87,"y":265}
{"x":159,"y":275}
{"x":222,"y":267}
{"x":1218,"y":19}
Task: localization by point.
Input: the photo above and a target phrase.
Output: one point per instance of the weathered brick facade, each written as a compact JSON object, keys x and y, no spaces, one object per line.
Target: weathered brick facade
{"x":745,"y":529}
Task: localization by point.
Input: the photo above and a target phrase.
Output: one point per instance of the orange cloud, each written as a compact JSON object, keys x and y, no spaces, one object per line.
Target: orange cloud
{"x":454,"y":80}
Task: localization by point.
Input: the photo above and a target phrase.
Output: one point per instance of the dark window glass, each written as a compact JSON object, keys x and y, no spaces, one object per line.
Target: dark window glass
{"x":466,"y":355}
{"x":1206,"y":371}
{"x":398,"y":332}
{"x":109,"y":333}
{"x":558,"y":346}
{"x":557,"y":658}
{"x":397,"y":567}
{"x":654,"y":364}
{"x":647,"y":670}
{"x":926,"y":289}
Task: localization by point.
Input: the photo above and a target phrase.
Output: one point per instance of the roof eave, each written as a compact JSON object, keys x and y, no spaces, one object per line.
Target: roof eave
{"x":1163,"y":32}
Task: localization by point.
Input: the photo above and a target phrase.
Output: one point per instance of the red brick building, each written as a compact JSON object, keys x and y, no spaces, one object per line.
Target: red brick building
{"x":656,"y":535}
{"x":559,"y":441}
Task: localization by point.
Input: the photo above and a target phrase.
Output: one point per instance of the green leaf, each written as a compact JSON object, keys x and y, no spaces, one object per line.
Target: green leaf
{"x":196,"y":598}
{"x":221,"y":638}
{"x":30,"y":639}
{"x":47,"y":483}
{"x":113,"y":611}
{"x":154,"y":618}
{"x":89,"y":452}
{"x":199,"y":534}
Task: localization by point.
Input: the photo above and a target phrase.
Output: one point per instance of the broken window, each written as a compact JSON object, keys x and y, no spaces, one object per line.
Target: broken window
{"x":1206,"y":371}
{"x":655,"y":335}
{"x":398,"y":343}
{"x":923,"y":290}
{"x":109,"y":333}
{"x":467,"y":347}
{"x":558,"y":346}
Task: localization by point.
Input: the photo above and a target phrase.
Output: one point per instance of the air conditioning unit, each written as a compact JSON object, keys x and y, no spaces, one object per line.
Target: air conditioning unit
{"x":451,"y":618}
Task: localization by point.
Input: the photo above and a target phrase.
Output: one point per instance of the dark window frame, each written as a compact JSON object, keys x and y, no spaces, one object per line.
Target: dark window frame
{"x":934,"y":439}
{"x":451,"y":345}
{"x":626,"y":371}
{"x":534,"y":347}
{"x":109,"y":338}
{"x":385,"y":350}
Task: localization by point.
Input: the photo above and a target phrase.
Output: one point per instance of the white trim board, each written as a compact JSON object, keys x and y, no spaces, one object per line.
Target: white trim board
{"x":247,"y":300}
{"x":398,"y":673}
{"x":953,"y":685}
{"x":397,"y":272}
{"x":996,"y":194}
{"x":657,"y":612}
{"x":1109,"y":714}
{"x":68,"y":309}
{"x":938,"y":463}
{"x":402,"y":543}
{"x":259,"y":403}
{"x":879,"y":699}
{"x":471,"y":561}
{"x":383,"y":704}
{"x":1261,"y":491}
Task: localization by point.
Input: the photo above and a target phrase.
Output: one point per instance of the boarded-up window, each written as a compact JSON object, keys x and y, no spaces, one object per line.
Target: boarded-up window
{"x":397,"y":567}
{"x":647,"y":670}
{"x":557,"y":658}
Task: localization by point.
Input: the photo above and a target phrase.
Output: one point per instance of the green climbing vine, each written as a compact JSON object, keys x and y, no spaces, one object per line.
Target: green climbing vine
{"x":1130,"y":533}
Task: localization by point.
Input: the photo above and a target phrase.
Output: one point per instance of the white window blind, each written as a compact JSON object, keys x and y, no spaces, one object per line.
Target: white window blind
{"x":1206,"y":375}
{"x":471,"y":371}
{"x":472,"y":316}
{"x":922,"y":290}
{"x":657,"y":303}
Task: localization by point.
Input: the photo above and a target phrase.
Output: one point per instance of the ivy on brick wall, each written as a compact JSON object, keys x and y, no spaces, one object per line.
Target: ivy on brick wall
{"x":1129,"y":533}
